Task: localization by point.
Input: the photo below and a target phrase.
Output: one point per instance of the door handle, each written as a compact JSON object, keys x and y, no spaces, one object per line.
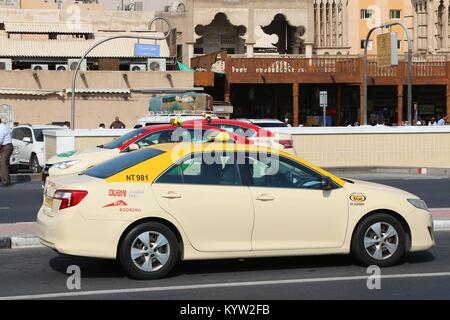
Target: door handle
{"x":265,"y":197}
{"x":171,"y":195}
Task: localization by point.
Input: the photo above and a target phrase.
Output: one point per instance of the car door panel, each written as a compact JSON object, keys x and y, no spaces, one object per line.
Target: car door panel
{"x":291,"y":209}
{"x":214,"y":218}
{"x":299,"y":219}
{"x":210,"y":202}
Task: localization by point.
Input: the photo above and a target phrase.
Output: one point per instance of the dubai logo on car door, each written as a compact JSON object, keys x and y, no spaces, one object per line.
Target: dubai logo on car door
{"x":119,"y":203}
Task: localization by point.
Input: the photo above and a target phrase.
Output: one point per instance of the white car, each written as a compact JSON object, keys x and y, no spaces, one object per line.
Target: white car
{"x":28,"y":142}
{"x":268,"y":123}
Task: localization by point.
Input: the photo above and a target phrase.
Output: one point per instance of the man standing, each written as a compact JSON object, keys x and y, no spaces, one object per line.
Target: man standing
{"x":443,"y":121}
{"x":117,"y":124}
{"x":6,"y":149}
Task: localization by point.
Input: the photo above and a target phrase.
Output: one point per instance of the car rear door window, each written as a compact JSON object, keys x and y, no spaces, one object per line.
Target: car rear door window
{"x":195,"y":170}
{"x":155,"y":138}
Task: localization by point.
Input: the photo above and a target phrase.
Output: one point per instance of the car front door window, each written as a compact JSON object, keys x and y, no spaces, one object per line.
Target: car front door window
{"x":283,"y":173}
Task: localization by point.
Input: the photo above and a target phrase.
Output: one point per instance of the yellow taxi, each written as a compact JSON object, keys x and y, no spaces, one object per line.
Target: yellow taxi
{"x":154,"y":207}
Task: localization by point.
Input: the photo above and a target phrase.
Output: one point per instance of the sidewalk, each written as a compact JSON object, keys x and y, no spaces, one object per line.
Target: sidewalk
{"x":24,"y":235}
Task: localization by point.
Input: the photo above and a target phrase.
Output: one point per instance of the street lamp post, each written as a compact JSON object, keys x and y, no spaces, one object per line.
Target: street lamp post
{"x":366,"y":67}
{"x":77,"y":68}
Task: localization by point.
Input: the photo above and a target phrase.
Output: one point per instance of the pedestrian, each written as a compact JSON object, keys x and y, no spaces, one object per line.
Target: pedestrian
{"x":432,"y":122}
{"x":6,"y":149}
{"x":286,"y":121}
{"x":117,"y":124}
{"x":102,"y":126}
{"x":443,"y":121}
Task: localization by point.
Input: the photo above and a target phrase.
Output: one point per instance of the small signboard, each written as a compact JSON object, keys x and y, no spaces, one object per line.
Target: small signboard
{"x":147,"y":50}
{"x":387,"y":53}
{"x":323,"y":99}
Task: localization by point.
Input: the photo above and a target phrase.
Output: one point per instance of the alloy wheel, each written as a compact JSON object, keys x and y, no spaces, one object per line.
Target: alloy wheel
{"x":150,"y":251}
{"x":381,"y":241}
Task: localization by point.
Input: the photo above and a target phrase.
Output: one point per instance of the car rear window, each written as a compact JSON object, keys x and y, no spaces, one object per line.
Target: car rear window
{"x":118,"y":164}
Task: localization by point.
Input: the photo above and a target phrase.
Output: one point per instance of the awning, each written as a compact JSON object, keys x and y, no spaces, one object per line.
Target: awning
{"x":117,"y":48}
{"x":183,"y":67}
{"x":27,"y":92}
{"x":61,"y":28}
{"x":99,"y":91}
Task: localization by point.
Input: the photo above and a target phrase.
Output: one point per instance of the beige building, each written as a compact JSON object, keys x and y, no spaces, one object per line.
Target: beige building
{"x":431,"y":26}
{"x":38,"y":47}
{"x":366,"y":14}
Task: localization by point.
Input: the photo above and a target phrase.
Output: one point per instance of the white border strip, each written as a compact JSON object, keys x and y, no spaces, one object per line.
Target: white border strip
{"x":218,"y":285}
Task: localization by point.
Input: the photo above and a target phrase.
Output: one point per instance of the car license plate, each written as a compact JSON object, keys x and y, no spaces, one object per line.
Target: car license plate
{"x":48,"y":202}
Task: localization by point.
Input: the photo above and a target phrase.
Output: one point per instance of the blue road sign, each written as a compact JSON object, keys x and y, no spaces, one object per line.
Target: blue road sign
{"x":147,"y":50}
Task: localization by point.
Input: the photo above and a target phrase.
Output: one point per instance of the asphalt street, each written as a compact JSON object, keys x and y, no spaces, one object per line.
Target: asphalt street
{"x":21,"y":202}
{"x":30,"y":273}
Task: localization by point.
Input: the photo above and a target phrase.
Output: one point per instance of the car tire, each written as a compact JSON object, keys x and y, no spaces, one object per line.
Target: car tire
{"x":34,"y":164}
{"x":379,"y":239}
{"x":149,"y":251}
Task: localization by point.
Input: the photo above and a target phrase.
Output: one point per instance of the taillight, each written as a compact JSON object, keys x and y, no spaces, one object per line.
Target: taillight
{"x":287,"y":144}
{"x":69,"y":198}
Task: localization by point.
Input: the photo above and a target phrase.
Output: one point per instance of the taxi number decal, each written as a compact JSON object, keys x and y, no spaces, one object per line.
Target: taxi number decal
{"x":137,"y":177}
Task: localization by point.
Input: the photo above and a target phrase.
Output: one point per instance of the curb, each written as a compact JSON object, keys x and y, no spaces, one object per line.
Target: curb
{"x":441,"y":172}
{"x":32,"y":241}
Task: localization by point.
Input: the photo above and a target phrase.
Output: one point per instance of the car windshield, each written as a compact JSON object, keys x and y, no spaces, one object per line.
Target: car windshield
{"x":116,"y":165}
{"x":123,"y":139}
{"x":39,"y":133}
{"x":271,"y":124}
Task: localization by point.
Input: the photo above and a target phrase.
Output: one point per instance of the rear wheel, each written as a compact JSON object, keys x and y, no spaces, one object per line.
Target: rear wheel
{"x":34,"y":164}
{"x":379,"y":240}
{"x":149,"y":251}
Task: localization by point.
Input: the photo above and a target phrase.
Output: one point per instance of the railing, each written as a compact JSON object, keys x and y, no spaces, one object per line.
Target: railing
{"x":293,"y":65}
{"x":436,"y":67}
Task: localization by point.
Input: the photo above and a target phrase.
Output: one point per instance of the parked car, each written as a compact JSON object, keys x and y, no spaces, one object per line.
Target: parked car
{"x":253,"y":132}
{"x":154,"y":207}
{"x":152,"y":120}
{"x":28,"y":142}
{"x":268,"y":123}
{"x":77,"y":161}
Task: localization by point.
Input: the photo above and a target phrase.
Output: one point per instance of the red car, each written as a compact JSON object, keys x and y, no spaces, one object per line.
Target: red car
{"x":250,"y":131}
{"x":157,"y":134}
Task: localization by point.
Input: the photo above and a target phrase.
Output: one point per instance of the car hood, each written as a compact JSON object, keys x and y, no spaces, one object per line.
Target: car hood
{"x":80,"y":154}
{"x":359,"y":186}
{"x":85,"y":160}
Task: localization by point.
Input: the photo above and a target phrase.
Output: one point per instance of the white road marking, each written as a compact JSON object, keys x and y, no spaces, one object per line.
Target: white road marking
{"x":219,"y":285}
{"x":5,"y":208}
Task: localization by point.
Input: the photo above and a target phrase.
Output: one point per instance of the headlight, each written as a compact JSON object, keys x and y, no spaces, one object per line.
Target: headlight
{"x":65,"y":165}
{"x":418,"y":203}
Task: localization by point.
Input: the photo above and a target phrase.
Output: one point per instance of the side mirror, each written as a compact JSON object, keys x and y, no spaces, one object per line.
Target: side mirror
{"x":326,"y":184}
{"x":133,"y":147}
{"x":26,"y":139}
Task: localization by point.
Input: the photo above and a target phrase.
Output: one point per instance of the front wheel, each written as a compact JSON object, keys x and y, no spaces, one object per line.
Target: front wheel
{"x":379,"y":240}
{"x":34,"y":164}
{"x":149,"y":251}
